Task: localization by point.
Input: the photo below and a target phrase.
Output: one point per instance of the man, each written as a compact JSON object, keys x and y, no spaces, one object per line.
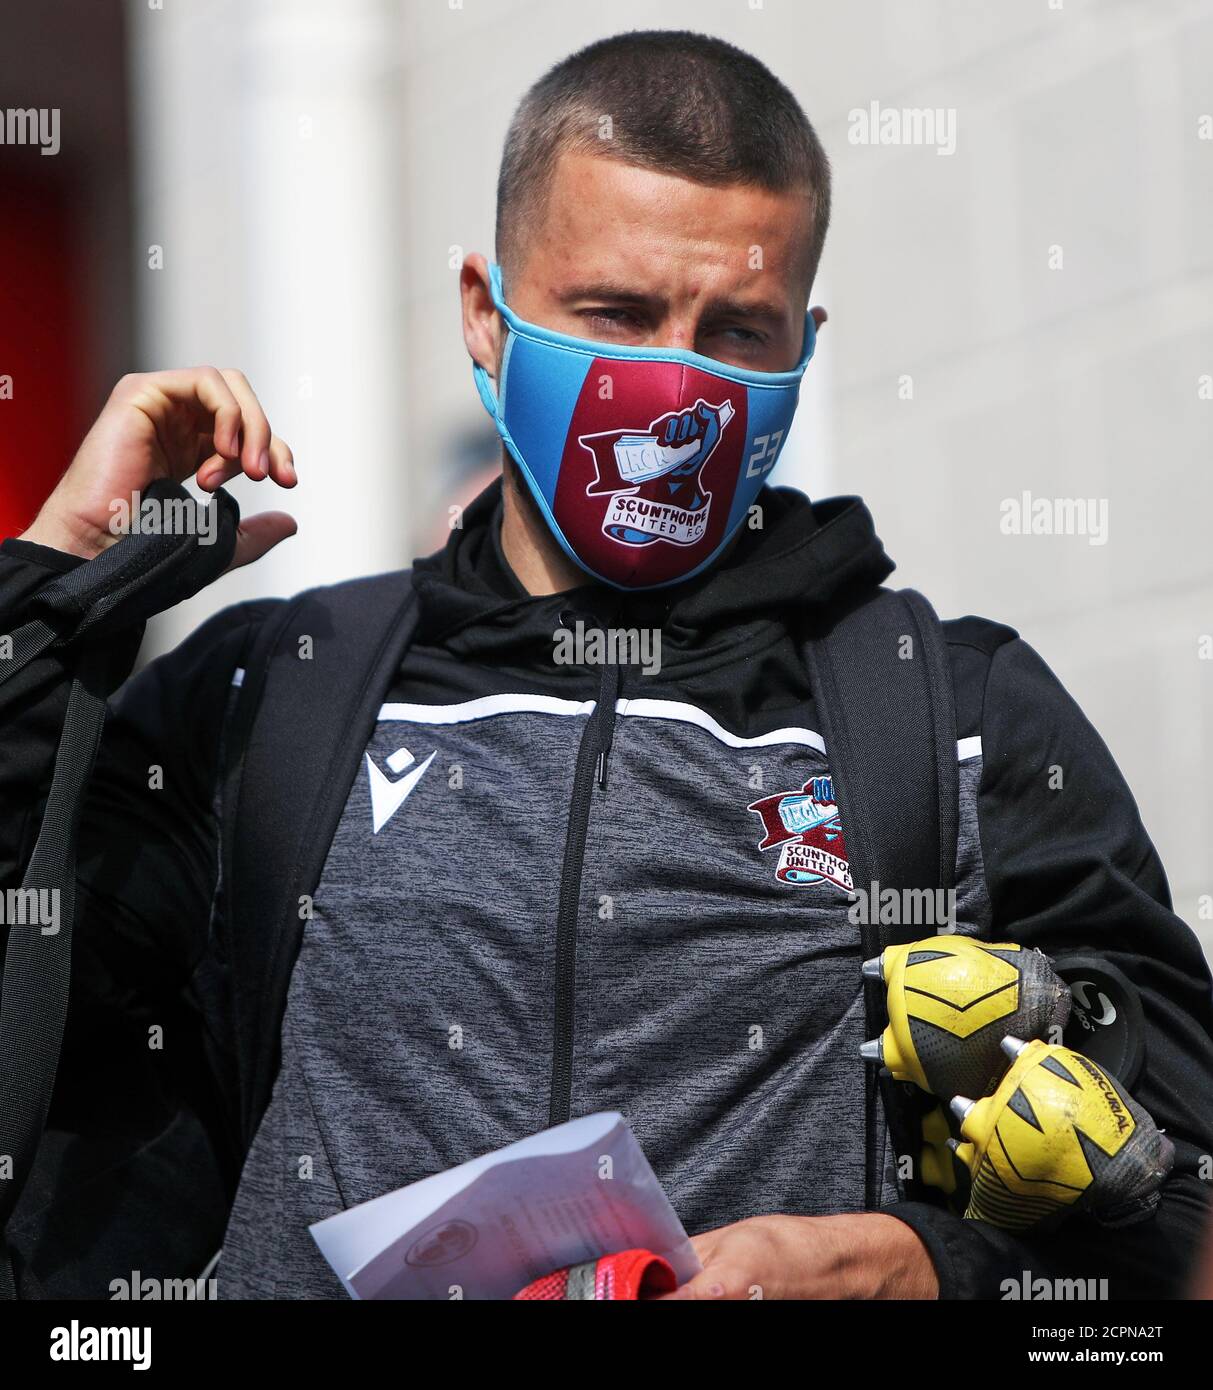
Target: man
{"x":547,"y":891}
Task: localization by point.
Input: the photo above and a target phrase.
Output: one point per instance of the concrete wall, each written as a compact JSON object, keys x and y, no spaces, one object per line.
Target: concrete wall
{"x":1077,"y":127}
{"x":1033,"y":311}
{"x":270,"y":175}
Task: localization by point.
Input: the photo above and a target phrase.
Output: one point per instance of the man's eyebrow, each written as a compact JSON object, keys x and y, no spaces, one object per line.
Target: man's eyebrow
{"x":609,"y":292}
{"x":745,"y":309}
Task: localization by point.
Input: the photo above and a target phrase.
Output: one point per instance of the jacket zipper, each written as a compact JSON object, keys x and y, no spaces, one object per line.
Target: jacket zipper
{"x":592,"y":754}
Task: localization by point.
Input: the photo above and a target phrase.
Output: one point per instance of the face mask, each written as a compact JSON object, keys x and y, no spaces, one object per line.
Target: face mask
{"x":643,"y":461}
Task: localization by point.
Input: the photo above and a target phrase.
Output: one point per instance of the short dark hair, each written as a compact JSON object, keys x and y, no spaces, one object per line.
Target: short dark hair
{"x":679,"y":103}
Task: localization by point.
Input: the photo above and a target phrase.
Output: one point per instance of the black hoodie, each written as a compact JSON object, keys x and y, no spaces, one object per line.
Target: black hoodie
{"x":728,"y":639}
{"x":548,"y":895}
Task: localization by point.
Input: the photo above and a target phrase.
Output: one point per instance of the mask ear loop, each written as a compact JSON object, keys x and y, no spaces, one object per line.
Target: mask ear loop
{"x":496,"y":288}
{"x":484,"y":385}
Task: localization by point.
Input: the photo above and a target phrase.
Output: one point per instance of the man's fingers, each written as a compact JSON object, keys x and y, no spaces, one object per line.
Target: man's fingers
{"x":215,"y":471}
{"x":255,"y":449}
{"x":234,"y":434}
{"x":712,"y":1280}
{"x":705,"y":1285}
{"x":258,"y":533}
{"x":703,"y":1246}
{"x":202,"y":387}
{"x":282,"y":463}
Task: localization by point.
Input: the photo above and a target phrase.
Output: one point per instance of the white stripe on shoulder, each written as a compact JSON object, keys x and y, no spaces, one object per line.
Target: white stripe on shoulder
{"x":487,"y":706}
{"x":490,"y":705}
{"x":691,"y":714}
{"x":238,"y":677}
{"x":484,"y":708}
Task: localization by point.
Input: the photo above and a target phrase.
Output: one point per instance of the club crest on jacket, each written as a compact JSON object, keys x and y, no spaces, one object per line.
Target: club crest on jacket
{"x":804,"y":827}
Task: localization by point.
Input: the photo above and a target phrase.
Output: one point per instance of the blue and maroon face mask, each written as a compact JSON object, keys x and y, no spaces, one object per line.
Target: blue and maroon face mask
{"x":643,"y":461}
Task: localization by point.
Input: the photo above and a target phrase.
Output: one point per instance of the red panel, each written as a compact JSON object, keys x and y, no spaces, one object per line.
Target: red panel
{"x":40,"y":327}
{"x":589,"y":482}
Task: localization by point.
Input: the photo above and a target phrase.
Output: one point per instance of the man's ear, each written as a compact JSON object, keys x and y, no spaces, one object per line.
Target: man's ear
{"x":482,"y":328}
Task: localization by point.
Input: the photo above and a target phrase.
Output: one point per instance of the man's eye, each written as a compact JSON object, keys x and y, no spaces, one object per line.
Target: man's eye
{"x":744,"y":335}
{"x":610,"y":319}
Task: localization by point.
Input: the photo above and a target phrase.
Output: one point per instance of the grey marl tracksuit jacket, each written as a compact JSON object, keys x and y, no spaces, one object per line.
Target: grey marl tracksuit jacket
{"x":497,"y":942}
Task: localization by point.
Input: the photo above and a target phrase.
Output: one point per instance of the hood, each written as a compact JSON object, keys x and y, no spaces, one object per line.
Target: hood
{"x":806,"y":556}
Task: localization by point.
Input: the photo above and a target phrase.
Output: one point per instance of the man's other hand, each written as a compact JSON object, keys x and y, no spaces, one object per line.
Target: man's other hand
{"x":865,"y":1255}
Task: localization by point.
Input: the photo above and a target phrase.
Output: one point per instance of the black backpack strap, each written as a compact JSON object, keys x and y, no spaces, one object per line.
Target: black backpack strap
{"x":882,"y":687}
{"x":125,"y":584}
{"x":311,"y":693}
{"x":38,"y":966}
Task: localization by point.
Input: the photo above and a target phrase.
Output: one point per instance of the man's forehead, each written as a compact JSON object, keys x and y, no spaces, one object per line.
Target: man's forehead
{"x":608,"y":222}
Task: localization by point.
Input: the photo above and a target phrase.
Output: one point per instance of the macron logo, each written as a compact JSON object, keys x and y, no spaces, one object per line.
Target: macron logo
{"x":387,"y":797}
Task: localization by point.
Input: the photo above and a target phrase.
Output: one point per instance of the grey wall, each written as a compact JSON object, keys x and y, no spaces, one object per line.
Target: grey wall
{"x":1078,"y":126}
{"x":1031,"y":312}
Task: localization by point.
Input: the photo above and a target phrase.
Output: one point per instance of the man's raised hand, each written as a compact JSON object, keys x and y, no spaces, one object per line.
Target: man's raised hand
{"x":195,"y":422}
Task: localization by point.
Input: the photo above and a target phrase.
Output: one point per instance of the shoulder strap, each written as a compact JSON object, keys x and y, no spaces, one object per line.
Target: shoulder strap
{"x":138,"y":576}
{"x":316,"y":678}
{"x":38,"y":963}
{"x":883,"y":692}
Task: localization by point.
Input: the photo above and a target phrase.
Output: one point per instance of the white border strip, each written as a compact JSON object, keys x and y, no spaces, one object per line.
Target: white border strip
{"x":485,"y":708}
{"x":489,"y":705}
{"x":691,"y":714}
